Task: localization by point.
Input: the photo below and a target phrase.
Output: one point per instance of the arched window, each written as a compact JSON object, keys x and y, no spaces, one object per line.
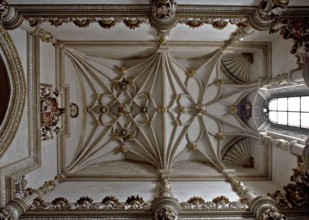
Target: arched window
{"x":289,"y":111}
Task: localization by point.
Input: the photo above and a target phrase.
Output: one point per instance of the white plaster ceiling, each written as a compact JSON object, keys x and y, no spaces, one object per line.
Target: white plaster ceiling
{"x":173,"y":122}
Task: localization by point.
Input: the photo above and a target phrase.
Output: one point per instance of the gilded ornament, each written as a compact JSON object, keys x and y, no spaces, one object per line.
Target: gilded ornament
{"x":116,"y":137}
{"x":191,"y":72}
{"x":132,"y":23}
{"x":166,"y":212}
{"x":163,"y":9}
{"x":74,"y":110}
{"x":107,"y":23}
{"x":123,"y":70}
{"x":34,"y":21}
{"x":56,"y":22}
{"x":104,"y":109}
{"x":123,"y":149}
{"x":38,"y":203}
{"x":135,"y":201}
{"x":182,"y":109}
{"x":82,"y":22}
{"x":233,"y":109}
{"x":220,"y":24}
{"x":99,"y":123}
{"x":221,"y":200}
{"x":110,"y":202}
{"x":220,"y":83}
{"x":196,"y":201}
{"x":272,"y":214}
{"x":84,"y":202}
{"x":46,"y":37}
{"x":144,"y":109}
{"x":124,"y":109}
{"x":220,"y":136}
{"x":194,"y":23}
{"x":193,"y":145}
{"x":60,"y":202}
{"x":201,"y":109}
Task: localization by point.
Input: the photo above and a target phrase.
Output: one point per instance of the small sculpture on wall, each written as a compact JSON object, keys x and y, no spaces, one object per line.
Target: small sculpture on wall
{"x":74,"y":110}
{"x":245,"y":112}
{"x":163,"y":9}
{"x":50,"y":111}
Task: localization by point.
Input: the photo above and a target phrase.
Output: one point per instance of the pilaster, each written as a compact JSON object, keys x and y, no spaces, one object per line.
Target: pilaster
{"x":263,"y":207}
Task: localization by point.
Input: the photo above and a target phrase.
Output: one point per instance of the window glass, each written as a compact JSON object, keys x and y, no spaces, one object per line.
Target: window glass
{"x":294,"y":119}
{"x":305,"y":104}
{"x":305,"y":120}
{"x":294,"y":104}
{"x":273,"y":104}
{"x":289,"y":111}
{"x":282,"y":118}
{"x":273,"y":117}
{"x":282,"y":104}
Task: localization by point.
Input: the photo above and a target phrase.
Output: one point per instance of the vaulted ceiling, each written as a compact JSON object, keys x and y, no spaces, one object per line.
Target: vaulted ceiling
{"x":155,"y":101}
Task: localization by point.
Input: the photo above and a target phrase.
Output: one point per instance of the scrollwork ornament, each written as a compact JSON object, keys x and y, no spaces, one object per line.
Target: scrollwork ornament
{"x":5,"y":215}
{"x":82,"y":22}
{"x":84,"y":202}
{"x":166,"y":212}
{"x":110,"y":202}
{"x":271,"y":214}
{"x":163,"y":9}
{"x":107,"y":23}
{"x":132,"y":23}
{"x":135,"y":202}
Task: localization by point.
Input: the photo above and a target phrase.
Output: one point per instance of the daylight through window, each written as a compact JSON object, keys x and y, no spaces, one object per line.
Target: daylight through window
{"x":290,"y":111}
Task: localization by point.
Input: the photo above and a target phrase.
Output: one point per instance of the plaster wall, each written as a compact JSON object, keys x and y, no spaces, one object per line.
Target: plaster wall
{"x":283,"y":163}
{"x":18,"y":149}
{"x":282,"y":60}
{"x":48,"y":169}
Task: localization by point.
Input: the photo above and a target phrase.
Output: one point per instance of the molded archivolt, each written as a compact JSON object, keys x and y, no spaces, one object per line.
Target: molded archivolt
{"x":15,"y":105}
{"x":237,"y":66}
{"x":239,"y":154}
{"x":4,"y":90}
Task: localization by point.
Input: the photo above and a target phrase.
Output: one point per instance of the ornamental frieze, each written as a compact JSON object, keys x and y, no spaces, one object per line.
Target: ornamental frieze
{"x":136,"y":202}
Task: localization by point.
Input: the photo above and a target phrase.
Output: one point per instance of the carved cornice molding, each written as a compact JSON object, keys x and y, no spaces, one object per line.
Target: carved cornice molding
{"x":260,"y":18}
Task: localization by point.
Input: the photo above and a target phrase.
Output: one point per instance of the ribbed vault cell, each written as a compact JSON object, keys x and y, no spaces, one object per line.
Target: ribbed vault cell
{"x":154,"y":112}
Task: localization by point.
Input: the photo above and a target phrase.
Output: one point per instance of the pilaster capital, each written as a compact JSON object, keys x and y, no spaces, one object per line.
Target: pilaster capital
{"x":10,"y":19}
{"x":16,"y":207}
{"x":267,"y":12}
{"x":265,"y":208}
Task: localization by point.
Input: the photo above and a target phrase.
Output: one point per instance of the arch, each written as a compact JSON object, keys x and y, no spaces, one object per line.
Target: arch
{"x":5,"y":90}
{"x":15,"y":76}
